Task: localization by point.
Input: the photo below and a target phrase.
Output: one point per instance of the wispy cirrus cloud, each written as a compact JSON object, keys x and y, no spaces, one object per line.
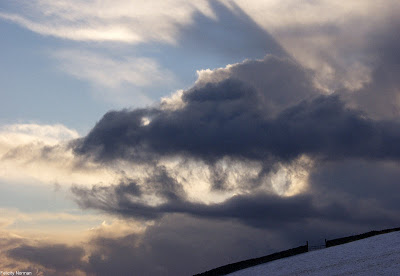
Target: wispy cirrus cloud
{"x":110,"y":72}
{"x":117,"y":21}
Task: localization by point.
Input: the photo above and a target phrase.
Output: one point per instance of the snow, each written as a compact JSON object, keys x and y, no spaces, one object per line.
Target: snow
{"x":378,"y":255}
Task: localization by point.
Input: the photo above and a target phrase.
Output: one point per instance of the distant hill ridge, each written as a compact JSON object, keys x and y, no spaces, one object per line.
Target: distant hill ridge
{"x":229,"y":268}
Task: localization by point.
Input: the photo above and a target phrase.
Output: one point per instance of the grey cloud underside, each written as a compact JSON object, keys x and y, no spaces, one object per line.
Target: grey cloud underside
{"x":232,"y":118}
{"x":348,"y":193}
{"x":52,"y":256}
{"x":256,"y":210}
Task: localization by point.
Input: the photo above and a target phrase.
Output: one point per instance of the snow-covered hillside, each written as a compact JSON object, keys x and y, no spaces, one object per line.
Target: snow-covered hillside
{"x":378,"y":255}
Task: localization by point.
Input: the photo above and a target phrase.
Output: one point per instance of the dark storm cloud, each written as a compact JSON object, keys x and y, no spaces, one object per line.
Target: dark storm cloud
{"x":219,"y":118}
{"x":54,"y":256}
{"x":229,"y":119}
{"x":353,"y":190}
{"x":257,"y":210}
{"x":281,"y":82}
{"x":367,"y":189}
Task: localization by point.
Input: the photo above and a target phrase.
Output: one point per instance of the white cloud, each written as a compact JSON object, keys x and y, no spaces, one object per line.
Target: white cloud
{"x":108,"y":20}
{"x":173,"y":101}
{"x":118,"y":80}
{"x":69,"y":227}
{"x":112,"y":73}
{"x":291,"y":179}
{"x":40,"y":152}
{"x":102,"y":32}
{"x":19,"y":134}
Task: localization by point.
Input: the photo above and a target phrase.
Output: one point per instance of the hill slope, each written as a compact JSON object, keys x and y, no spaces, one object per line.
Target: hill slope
{"x":378,"y":255}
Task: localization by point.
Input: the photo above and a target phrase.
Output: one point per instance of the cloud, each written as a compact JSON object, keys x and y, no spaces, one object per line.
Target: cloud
{"x":137,"y":74}
{"x":367,"y":188}
{"x":232,"y":35}
{"x":330,"y":197}
{"x":265,"y":114}
{"x":205,"y":245}
{"x":117,"y":21}
{"x":116,"y":78}
{"x":63,"y":226}
{"x":253,"y":210}
{"x":18,"y":134}
{"x":144,"y":253}
{"x":149,"y":254}
{"x":322,"y":36}
{"x":280,"y":82}
{"x":56,"y":256}
{"x":211,"y":156}
{"x":9,"y":241}
{"x":64,"y":246}
{"x":229,"y":118}
{"x":318,"y":34}
{"x":57,"y":243}
{"x":342,"y":199}
{"x":380,"y":98}
{"x":113,"y":73}
{"x":41,"y":152}
{"x":254,"y":144}
{"x":256,"y":157}
{"x":199,"y":244}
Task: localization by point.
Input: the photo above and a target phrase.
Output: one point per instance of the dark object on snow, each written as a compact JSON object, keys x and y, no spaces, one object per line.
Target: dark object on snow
{"x":339,"y":241}
{"x":226,"y":269}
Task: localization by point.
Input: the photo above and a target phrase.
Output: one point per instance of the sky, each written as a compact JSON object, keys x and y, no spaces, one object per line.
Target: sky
{"x":169,"y":137}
